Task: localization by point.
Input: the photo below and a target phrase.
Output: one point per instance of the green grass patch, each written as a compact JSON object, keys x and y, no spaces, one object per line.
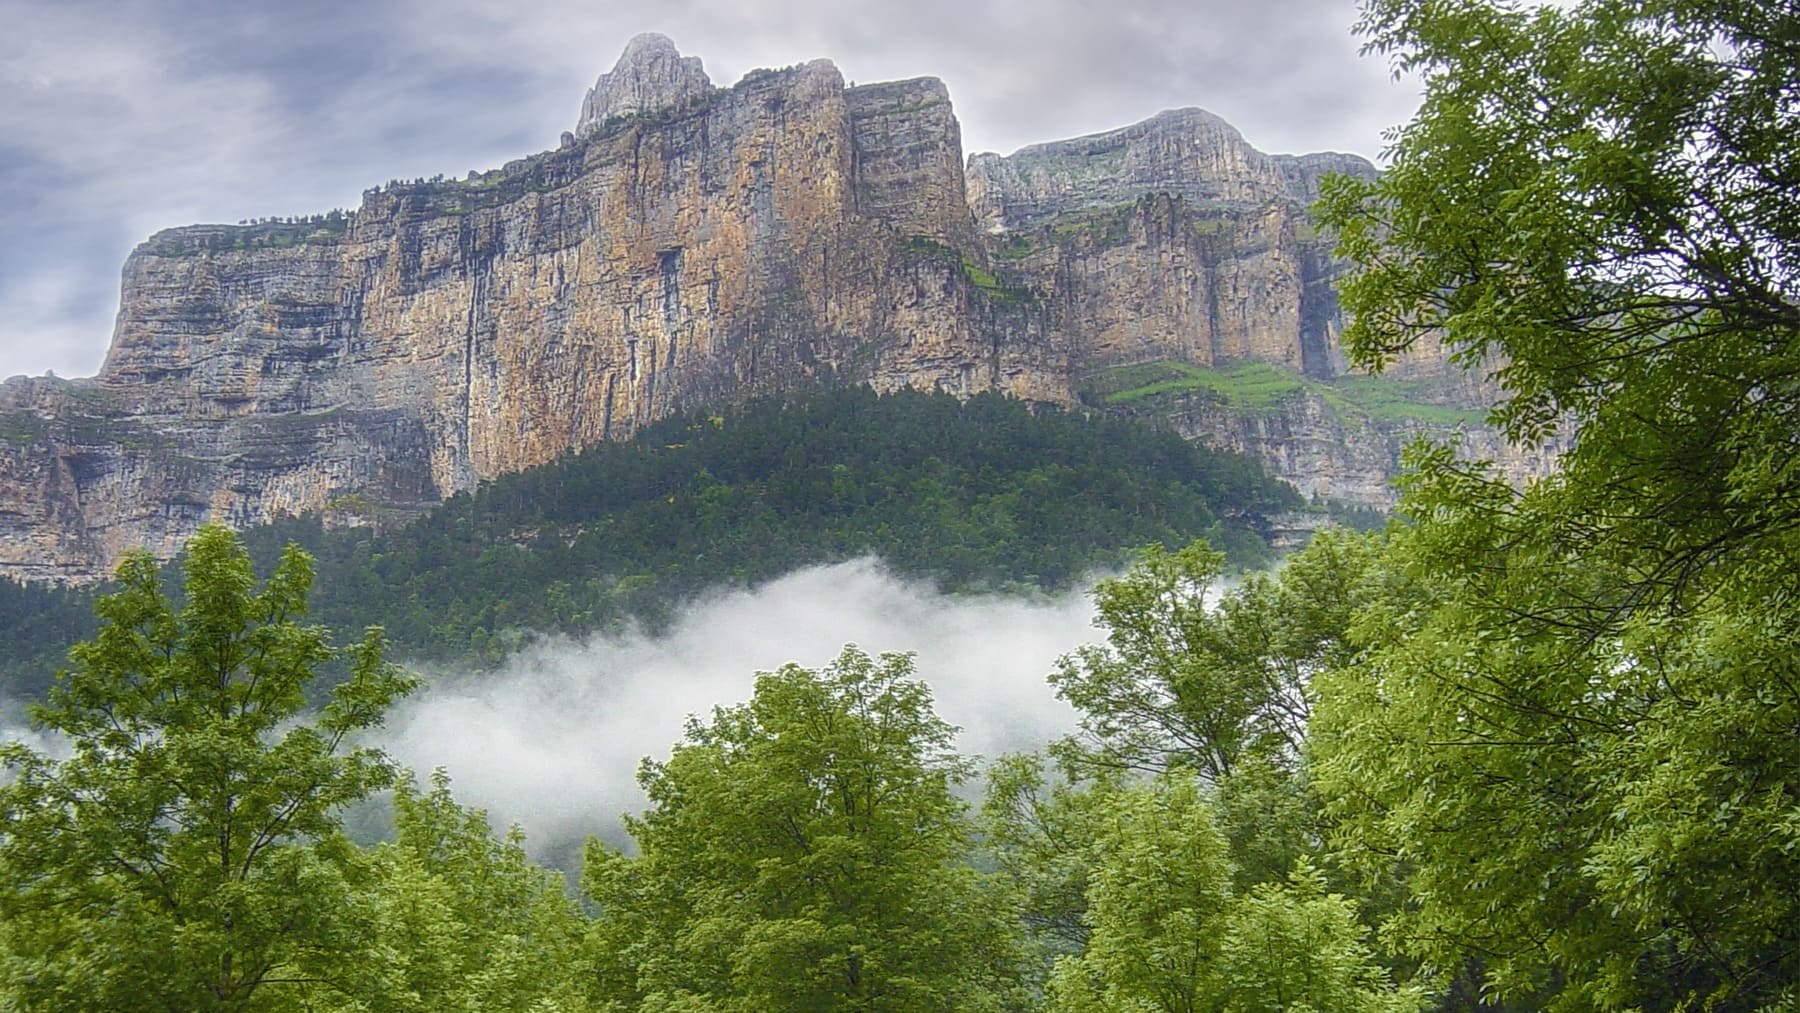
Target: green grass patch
{"x":1261,"y":387}
{"x":1393,"y":400}
{"x":987,"y":284}
{"x":1012,"y":246}
{"x":982,"y":277}
{"x":1107,"y":225}
{"x":984,"y":280}
{"x":23,"y":427}
{"x":930,"y":249}
{"x":1250,"y":386}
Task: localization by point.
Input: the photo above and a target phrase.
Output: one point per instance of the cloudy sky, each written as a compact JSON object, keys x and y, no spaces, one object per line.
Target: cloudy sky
{"x":121,"y":117}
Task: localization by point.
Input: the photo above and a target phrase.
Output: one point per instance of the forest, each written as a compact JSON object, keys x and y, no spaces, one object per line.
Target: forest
{"x":983,"y":494}
{"x":1530,"y":748}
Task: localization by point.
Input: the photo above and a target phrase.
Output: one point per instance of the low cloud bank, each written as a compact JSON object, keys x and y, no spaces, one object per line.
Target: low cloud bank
{"x":553,"y":740}
{"x":15,"y":726}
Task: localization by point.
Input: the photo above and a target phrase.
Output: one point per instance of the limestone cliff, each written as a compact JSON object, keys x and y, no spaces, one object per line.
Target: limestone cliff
{"x":686,"y":245}
{"x":1186,"y":153}
{"x":652,"y":75}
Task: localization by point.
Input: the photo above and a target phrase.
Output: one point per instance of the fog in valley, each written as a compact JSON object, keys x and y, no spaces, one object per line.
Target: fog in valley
{"x":553,"y":740}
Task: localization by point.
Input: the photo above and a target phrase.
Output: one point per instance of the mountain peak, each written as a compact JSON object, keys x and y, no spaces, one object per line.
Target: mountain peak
{"x":651,"y":74}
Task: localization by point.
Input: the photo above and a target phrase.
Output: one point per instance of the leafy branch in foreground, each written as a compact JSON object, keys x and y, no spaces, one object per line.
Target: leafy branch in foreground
{"x":189,"y":853}
{"x":1581,"y":744}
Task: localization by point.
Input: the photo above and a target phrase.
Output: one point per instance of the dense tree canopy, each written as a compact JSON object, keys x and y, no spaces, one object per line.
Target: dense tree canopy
{"x":1601,"y":202}
{"x":978,"y":494}
{"x":189,"y":853}
{"x":458,"y":921}
{"x":804,"y":851}
{"x":1170,"y":934}
{"x":989,"y":493}
{"x":1199,"y":888}
{"x":1576,"y":728}
{"x":1207,"y":677}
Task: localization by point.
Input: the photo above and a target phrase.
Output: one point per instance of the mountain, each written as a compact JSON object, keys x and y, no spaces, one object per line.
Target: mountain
{"x":688,"y":246}
{"x":979,"y":494}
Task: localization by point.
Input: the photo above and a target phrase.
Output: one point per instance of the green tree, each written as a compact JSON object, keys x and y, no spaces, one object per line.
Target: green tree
{"x":1170,"y":935}
{"x":459,"y":920}
{"x":1217,"y":681}
{"x":1156,"y":906}
{"x":1598,"y":201}
{"x":1296,"y":946}
{"x":1579,"y":737}
{"x":1602,"y":821}
{"x":1042,"y":829}
{"x":1204,"y":677}
{"x":803,"y":851}
{"x":188,"y":854}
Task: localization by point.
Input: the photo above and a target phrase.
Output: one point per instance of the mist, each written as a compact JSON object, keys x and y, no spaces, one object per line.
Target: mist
{"x":15,"y":726}
{"x":554,"y":739}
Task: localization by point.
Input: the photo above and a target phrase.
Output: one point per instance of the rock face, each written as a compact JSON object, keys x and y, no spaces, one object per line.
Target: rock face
{"x":1185,"y":153}
{"x":1327,"y":452}
{"x":651,"y":76}
{"x":687,"y":246}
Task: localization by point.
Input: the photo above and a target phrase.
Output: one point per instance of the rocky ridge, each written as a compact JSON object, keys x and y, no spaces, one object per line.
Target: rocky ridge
{"x":651,"y":75}
{"x":685,"y":246}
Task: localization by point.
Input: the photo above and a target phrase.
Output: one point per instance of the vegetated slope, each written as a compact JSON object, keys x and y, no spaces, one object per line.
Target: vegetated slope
{"x":38,"y":622}
{"x":987,"y":493}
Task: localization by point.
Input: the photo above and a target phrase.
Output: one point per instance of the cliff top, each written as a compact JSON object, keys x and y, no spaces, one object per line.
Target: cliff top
{"x":651,"y":74}
{"x":1186,"y":120}
{"x":1186,"y":152}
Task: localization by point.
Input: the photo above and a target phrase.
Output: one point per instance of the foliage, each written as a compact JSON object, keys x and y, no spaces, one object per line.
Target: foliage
{"x":973,"y":494}
{"x":1190,"y":678}
{"x":1170,"y":934}
{"x":978,"y":494}
{"x":1577,"y":730}
{"x":458,"y":920}
{"x":1156,"y":906}
{"x":1604,"y":821}
{"x":1296,"y":946}
{"x":1209,"y":690}
{"x":1042,"y":833}
{"x":40,"y":622}
{"x":189,"y":853}
{"x":803,"y":852}
{"x":1598,"y":203}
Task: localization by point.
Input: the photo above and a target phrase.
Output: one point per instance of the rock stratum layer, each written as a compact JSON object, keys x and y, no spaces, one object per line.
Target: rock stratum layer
{"x":686,"y":246}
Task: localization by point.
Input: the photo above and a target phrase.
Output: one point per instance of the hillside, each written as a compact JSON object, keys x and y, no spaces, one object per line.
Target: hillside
{"x":979,"y":494}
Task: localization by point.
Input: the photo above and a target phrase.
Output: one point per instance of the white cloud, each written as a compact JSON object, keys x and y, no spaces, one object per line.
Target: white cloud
{"x":553,"y":741}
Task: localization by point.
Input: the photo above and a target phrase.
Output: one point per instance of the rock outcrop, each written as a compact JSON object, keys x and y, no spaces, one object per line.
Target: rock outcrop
{"x":1185,"y":153}
{"x":651,"y":76}
{"x":686,"y":246}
